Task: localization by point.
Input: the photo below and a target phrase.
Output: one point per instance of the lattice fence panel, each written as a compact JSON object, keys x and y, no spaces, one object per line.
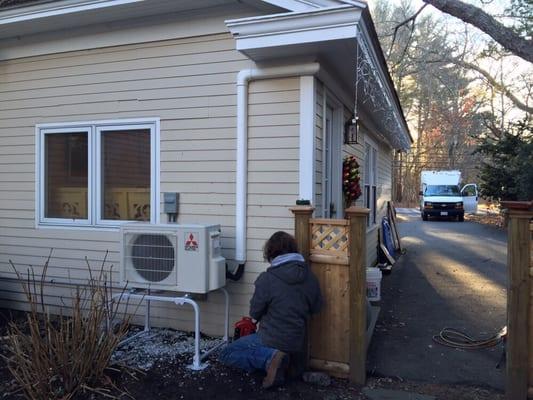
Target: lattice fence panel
{"x":329,"y":237}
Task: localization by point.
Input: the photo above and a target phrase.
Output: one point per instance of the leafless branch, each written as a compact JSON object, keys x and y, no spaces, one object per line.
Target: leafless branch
{"x":489,"y":78}
{"x":411,"y":20}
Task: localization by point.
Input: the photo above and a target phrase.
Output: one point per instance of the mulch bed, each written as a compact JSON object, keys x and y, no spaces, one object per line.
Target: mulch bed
{"x":162,"y":373}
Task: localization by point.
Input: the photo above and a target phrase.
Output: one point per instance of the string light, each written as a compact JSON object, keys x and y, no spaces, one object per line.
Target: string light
{"x":376,"y":96}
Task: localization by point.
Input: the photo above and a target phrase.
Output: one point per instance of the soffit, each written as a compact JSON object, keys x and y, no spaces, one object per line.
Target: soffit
{"x":30,"y":19}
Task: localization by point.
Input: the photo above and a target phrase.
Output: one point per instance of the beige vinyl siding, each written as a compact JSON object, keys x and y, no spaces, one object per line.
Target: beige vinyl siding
{"x":384,"y":192}
{"x":384,"y":181}
{"x":273,"y":165}
{"x":190,"y":85}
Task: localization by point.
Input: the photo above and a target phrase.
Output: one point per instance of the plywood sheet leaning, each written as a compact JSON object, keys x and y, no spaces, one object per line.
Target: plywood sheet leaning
{"x":383,"y":248}
{"x":394,"y":225}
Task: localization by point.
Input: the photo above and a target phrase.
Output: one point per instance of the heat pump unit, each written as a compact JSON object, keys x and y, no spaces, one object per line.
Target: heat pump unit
{"x":182,"y":258}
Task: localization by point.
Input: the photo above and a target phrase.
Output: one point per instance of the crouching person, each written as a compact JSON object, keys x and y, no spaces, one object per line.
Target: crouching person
{"x":285,"y":296}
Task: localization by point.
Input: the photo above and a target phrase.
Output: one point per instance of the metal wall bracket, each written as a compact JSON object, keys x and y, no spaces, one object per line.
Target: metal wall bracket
{"x":197,"y":364}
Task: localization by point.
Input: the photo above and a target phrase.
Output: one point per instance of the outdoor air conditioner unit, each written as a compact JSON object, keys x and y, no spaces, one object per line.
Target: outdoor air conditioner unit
{"x":182,"y":258}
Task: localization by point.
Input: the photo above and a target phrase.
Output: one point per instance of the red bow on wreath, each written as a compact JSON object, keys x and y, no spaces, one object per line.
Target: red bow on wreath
{"x":350,"y":180}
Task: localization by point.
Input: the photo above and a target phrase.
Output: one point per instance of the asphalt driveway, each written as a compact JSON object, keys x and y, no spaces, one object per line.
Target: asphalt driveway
{"x":453,"y":275}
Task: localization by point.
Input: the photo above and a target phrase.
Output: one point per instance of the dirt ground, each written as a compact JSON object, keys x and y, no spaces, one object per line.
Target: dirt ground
{"x":164,"y":375}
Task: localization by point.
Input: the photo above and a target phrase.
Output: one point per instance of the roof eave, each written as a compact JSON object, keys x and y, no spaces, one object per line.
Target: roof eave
{"x":307,"y":33}
{"x":373,"y":36}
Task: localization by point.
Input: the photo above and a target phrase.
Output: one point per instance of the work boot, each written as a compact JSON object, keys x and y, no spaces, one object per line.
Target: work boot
{"x":276,"y":370}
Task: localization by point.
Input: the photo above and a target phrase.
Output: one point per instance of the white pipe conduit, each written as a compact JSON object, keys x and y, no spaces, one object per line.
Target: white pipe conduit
{"x":243,"y":79}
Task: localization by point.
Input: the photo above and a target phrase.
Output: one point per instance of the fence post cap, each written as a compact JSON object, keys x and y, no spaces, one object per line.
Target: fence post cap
{"x":517,"y":209}
{"x":302,"y":209}
{"x":356,"y":212}
{"x":517,"y":205}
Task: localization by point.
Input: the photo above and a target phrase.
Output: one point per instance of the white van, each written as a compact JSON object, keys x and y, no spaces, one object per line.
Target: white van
{"x":441,"y":196}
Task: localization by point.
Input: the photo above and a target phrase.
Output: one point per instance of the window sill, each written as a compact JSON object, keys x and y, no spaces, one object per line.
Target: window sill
{"x":110,"y":228}
{"x":86,"y":227}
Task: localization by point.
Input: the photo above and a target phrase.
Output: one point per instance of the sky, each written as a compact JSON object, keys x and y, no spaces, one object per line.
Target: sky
{"x":511,"y":69}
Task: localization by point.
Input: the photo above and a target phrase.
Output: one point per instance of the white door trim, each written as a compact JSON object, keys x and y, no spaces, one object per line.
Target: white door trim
{"x":335,"y":157}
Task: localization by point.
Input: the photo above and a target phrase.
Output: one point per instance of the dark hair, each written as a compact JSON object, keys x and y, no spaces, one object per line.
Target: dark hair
{"x":279,"y":243}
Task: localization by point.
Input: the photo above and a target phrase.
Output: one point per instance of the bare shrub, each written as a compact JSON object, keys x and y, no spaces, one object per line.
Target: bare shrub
{"x":58,"y":356}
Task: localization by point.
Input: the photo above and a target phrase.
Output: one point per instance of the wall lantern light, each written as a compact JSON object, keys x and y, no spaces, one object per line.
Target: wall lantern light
{"x":351,"y":131}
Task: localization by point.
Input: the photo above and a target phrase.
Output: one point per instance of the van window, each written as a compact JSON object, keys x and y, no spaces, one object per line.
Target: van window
{"x":470,"y":191}
{"x":442,"y":190}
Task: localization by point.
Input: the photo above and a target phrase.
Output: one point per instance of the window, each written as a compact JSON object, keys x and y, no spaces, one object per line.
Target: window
{"x":370,"y":191}
{"x":98,"y":174}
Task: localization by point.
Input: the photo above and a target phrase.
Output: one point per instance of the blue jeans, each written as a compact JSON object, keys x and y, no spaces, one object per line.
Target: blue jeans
{"x":248,"y":353}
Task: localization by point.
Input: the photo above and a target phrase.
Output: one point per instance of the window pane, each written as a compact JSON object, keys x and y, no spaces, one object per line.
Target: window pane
{"x":367,"y":196}
{"x":367,"y":164}
{"x":374,"y":204}
{"x":126,"y":174}
{"x":66,"y":175}
{"x":367,"y":202}
{"x":374,"y":166}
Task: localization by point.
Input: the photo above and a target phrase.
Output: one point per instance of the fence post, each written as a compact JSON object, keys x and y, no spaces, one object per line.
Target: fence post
{"x":357,"y":293}
{"x":302,"y":232}
{"x":519,"y":344}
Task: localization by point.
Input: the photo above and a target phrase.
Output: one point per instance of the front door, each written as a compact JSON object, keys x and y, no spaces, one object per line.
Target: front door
{"x":331,"y":202}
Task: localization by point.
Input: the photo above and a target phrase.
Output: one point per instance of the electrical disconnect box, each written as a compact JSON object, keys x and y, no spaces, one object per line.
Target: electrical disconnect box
{"x":171,"y":203}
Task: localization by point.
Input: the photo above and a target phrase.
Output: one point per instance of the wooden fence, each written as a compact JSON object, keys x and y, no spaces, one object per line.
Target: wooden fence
{"x":519,"y":384}
{"x":335,"y":249}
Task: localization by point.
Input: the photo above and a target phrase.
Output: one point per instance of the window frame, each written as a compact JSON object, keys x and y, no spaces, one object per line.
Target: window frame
{"x":42,"y":181}
{"x":372,"y":174}
{"x":94,"y":129}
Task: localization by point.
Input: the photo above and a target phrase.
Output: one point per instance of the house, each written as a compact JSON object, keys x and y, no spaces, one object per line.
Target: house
{"x":239,"y":106}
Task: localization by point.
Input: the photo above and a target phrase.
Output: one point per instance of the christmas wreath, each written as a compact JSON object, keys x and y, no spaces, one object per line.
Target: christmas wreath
{"x":350,"y":180}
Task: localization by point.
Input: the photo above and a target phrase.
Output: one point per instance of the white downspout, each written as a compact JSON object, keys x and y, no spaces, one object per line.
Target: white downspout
{"x":243,"y":79}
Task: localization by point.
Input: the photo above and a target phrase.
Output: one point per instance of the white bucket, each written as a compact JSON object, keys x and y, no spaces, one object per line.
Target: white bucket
{"x":373,"y":284}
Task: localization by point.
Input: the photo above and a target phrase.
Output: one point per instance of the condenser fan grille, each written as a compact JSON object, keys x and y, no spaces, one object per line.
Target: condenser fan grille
{"x":152,"y":256}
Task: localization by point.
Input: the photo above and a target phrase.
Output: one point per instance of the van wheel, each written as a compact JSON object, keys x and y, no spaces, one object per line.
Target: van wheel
{"x":424,"y":216}
{"x":461,"y":218}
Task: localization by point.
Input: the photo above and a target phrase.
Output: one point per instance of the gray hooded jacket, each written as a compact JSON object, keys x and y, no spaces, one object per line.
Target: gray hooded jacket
{"x":285,"y":297}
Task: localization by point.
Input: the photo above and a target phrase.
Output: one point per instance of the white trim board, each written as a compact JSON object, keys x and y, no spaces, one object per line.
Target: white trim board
{"x":307,"y":139}
{"x":285,"y":29}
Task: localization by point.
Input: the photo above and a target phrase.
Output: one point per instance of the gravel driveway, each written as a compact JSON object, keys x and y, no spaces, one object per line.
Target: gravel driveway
{"x":453,"y":275}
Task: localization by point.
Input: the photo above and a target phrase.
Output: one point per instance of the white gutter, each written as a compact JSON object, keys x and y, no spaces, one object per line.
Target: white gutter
{"x":243,"y":79}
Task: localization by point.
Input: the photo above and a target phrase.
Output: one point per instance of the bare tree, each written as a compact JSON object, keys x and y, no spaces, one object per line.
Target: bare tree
{"x":475,"y":16}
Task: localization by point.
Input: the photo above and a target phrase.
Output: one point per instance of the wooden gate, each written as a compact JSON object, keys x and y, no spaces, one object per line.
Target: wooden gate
{"x":335,"y":249}
{"x":519,"y":384}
